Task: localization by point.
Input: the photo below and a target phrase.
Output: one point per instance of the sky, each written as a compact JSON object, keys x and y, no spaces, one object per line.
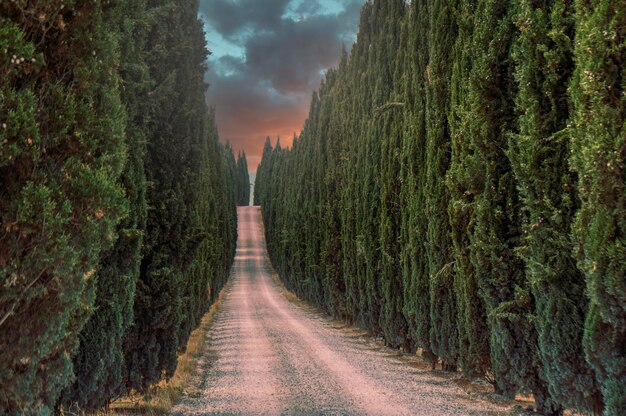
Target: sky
{"x":268,"y":56}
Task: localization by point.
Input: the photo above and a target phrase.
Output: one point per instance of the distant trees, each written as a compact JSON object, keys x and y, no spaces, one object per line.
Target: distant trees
{"x":242,"y":181}
{"x":117,"y":210}
{"x":458,"y":188}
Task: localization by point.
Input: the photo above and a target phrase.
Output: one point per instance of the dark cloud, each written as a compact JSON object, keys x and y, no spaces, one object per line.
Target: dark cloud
{"x":308,"y":8}
{"x":293,"y":55}
{"x":280,"y":50}
{"x":230,"y":17}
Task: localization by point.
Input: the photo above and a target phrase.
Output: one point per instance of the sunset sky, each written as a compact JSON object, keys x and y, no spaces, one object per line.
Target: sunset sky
{"x":268,"y":56}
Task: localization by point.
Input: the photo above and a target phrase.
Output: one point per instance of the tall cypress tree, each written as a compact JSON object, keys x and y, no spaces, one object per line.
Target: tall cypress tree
{"x":414,"y":222}
{"x":312,"y":286}
{"x":389,"y":121}
{"x":598,"y":157}
{"x":261,"y":174}
{"x":152,"y":342}
{"x":177,"y":151}
{"x":443,"y":331}
{"x":347,"y":169}
{"x":352,"y":158}
{"x":496,"y":236}
{"x":62,"y":152}
{"x":463,"y":183}
{"x":242,"y":180}
{"x":330,"y":248}
{"x":539,"y":153}
{"x":214,"y":216}
{"x":496,"y":206}
{"x":366,"y":191}
{"x":99,"y":364}
{"x":368,"y":196}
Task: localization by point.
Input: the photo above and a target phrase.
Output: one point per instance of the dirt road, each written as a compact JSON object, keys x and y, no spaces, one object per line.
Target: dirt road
{"x":268,"y":355}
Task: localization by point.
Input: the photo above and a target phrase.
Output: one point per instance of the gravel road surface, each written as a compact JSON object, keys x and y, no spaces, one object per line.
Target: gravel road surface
{"x":269,"y":355}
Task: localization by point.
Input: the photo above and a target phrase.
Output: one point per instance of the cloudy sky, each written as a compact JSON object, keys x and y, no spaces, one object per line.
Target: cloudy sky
{"x":268,"y":56}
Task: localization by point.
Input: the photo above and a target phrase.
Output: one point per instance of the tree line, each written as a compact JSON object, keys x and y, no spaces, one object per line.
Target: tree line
{"x":459,"y":189}
{"x":117,"y":202}
{"x":242,"y":182}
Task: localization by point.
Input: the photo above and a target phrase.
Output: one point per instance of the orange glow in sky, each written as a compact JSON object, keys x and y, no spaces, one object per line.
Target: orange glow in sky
{"x":250,"y":135}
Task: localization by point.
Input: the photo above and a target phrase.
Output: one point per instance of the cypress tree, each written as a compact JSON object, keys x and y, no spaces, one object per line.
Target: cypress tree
{"x":496,"y":208}
{"x":301,"y":218}
{"x":347,"y":169}
{"x":443,"y":330}
{"x":539,"y":153}
{"x":152,"y":342}
{"x":312,"y":284}
{"x":330,"y":247}
{"x":62,"y":153}
{"x":463,"y":183}
{"x":367,"y":191}
{"x":598,"y":155}
{"x":242,"y":180}
{"x":261,"y":174}
{"x":352,"y":158}
{"x":171,"y":292}
{"x":270,"y":202}
{"x":414,"y":222}
{"x":99,"y":364}
{"x":214,"y":216}
{"x":388,"y":122}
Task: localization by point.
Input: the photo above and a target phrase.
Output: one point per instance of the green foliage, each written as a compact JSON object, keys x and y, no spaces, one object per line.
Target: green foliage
{"x":416,"y":282}
{"x":331,"y":257}
{"x":498,"y":271}
{"x":260,"y":193}
{"x":189,"y":240}
{"x":598,"y":157}
{"x":62,"y":147}
{"x":389,"y":125}
{"x":103,"y":115}
{"x":242,"y":181}
{"x":448,"y":166}
{"x":540,"y":157}
{"x":440,"y":264}
{"x":99,"y":364}
{"x":496,"y":208}
{"x":463,"y":185}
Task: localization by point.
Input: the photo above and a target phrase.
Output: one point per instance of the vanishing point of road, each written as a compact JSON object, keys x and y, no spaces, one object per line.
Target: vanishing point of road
{"x":268,"y":355}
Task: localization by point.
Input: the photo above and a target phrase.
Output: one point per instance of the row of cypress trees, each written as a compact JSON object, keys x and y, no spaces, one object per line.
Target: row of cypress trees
{"x":459,"y":188}
{"x":117,"y":202}
{"x":242,"y":183}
